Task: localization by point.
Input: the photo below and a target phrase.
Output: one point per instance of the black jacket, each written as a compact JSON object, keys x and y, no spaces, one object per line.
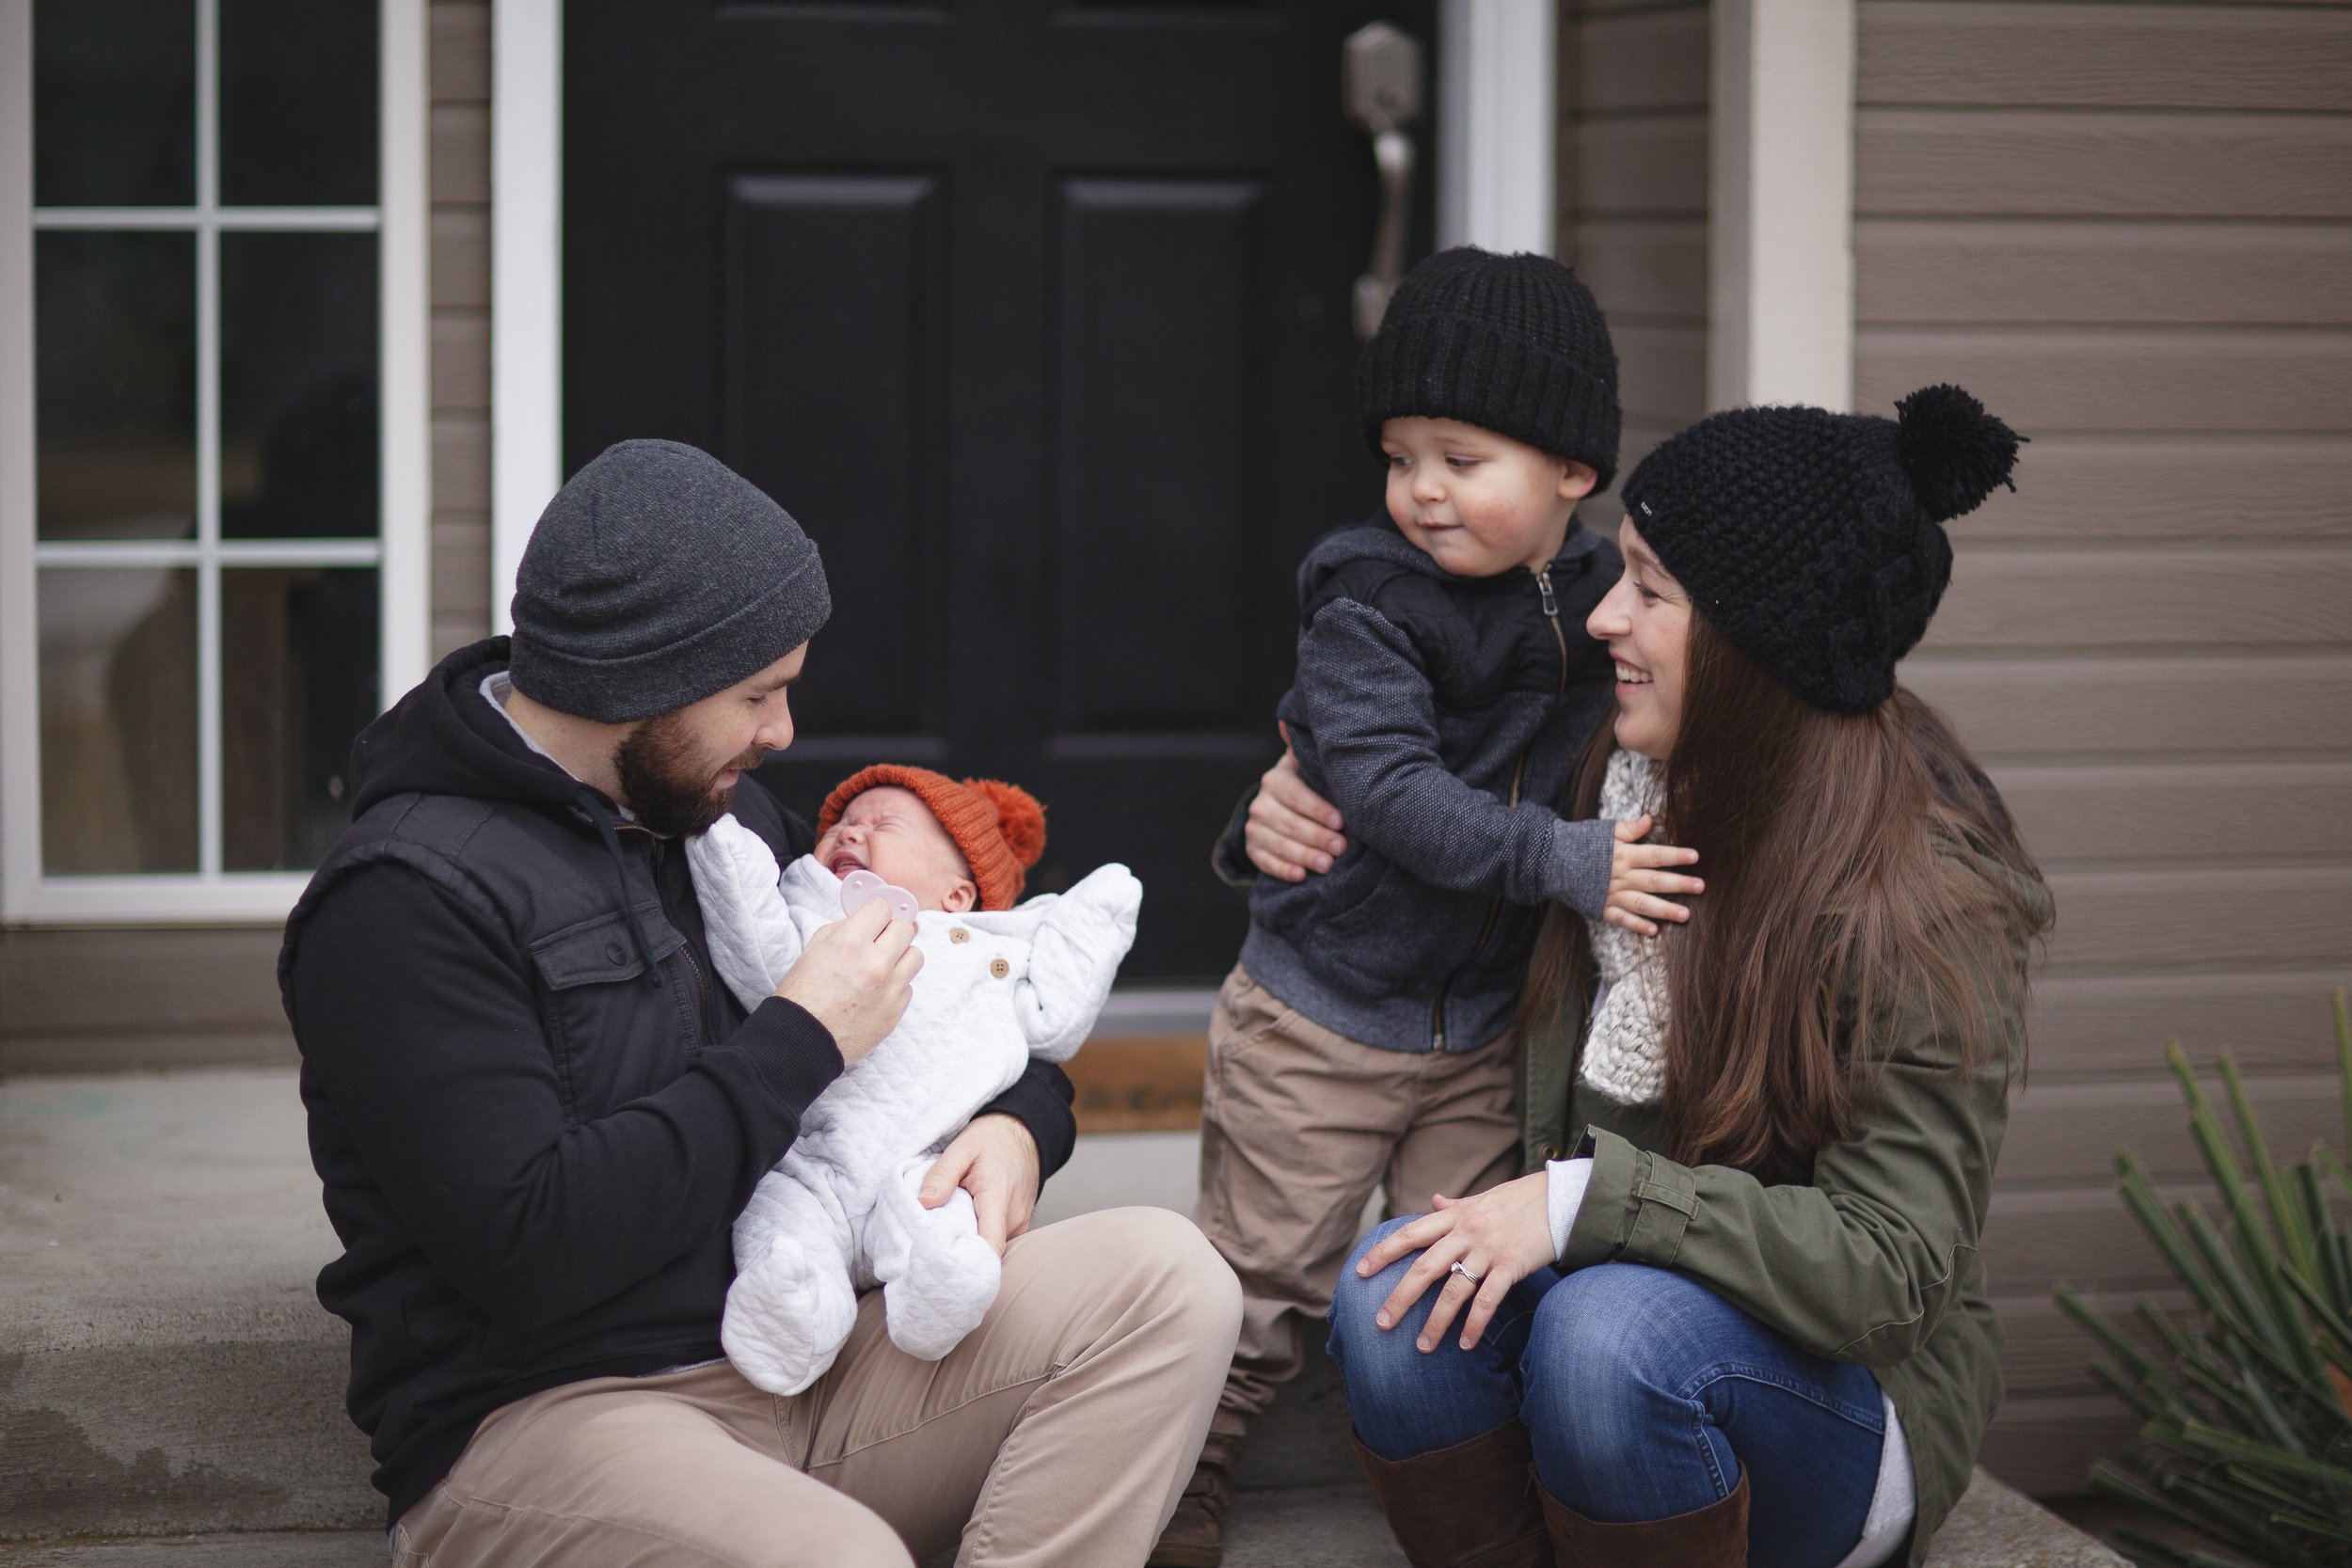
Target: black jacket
{"x":1442,"y":715}
{"x":535,"y":1109}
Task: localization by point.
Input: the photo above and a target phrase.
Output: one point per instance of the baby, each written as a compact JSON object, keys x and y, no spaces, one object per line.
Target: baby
{"x":1000,"y":982}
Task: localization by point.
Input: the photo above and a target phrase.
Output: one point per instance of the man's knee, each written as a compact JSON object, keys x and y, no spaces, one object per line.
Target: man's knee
{"x":1158,"y":1259}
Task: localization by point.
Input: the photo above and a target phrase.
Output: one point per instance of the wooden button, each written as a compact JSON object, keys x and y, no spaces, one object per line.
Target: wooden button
{"x":959,"y":935}
{"x":999,"y":968}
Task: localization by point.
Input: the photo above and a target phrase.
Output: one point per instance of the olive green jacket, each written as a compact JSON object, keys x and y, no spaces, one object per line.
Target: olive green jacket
{"x":1874,"y":1261}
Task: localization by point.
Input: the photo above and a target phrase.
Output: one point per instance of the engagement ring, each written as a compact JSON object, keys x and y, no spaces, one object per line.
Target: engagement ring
{"x":1473,"y":1279}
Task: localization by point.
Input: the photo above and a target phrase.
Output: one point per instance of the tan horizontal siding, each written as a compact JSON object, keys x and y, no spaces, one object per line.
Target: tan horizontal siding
{"x":461,"y":323}
{"x":2068,"y":1132}
{"x":2086,"y":379}
{"x":2106,"y":1026}
{"x":2060,"y":163}
{"x":2217,"y":810}
{"x":1935,"y":271}
{"x":2045,"y":1351}
{"x":1649,"y":271}
{"x":2028,"y":706}
{"x":2113,"y":57}
{"x":1652,"y":167}
{"x":2035,"y":1237}
{"x":1662,"y":372}
{"x":2045,"y":1446}
{"x":87,"y":1000}
{"x":1641,"y":61}
{"x":1633,"y":204}
{"x":2152,"y":485}
{"x":2181,"y":595}
{"x":2289,"y":915}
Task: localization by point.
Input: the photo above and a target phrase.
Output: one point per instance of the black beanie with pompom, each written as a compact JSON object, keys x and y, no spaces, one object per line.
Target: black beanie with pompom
{"x":1815,"y":541}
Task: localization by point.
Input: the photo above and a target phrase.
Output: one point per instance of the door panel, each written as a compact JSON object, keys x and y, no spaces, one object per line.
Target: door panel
{"x":834,"y":285}
{"x":1154,"y":433}
{"x":1036,"y":316}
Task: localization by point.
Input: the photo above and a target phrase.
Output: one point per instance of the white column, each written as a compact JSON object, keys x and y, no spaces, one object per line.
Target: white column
{"x":1497,"y":132}
{"x":1781,"y":235}
{"x":526,"y":280}
{"x":405,"y":313}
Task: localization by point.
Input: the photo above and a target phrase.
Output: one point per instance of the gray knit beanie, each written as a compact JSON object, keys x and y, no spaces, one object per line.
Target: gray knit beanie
{"x":657,"y":577}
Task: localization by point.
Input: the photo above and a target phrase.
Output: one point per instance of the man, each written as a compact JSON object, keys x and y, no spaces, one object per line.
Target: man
{"x":536,"y":1114}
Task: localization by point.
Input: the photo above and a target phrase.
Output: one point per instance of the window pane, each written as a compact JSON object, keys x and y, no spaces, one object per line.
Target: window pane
{"x":298,"y":683}
{"x":117,"y":720}
{"x":115,"y":352}
{"x":113,"y":103}
{"x":297,"y":103}
{"x":297,"y":386}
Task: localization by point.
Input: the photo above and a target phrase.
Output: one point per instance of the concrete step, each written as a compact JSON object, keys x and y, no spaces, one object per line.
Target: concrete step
{"x":171,"y":1394}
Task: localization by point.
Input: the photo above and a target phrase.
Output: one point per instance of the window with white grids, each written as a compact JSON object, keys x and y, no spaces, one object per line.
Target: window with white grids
{"x":212,"y":440}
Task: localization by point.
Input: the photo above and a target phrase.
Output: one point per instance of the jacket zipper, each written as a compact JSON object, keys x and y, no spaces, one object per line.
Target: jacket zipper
{"x":693,"y":965}
{"x":1518,"y":775}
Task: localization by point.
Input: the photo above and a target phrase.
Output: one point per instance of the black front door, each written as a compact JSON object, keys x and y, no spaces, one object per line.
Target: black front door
{"x":1037,"y":316}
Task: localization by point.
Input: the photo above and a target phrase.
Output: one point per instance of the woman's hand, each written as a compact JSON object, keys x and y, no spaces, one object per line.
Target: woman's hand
{"x":995,"y":1160}
{"x":1500,"y":1236}
{"x":1292,"y":830}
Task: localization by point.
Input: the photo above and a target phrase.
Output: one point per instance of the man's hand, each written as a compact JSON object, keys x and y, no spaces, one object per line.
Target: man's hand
{"x":854,"y":977}
{"x":994,"y":1159}
{"x":1636,"y":880}
{"x":1292,"y":830}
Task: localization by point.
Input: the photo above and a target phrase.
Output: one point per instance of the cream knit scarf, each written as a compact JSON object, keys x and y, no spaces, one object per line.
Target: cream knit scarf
{"x":1625,"y":1054}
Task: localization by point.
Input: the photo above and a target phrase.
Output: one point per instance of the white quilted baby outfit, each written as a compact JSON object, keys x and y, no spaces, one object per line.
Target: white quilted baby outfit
{"x":1625,"y":1054}
{"x":838,"y":1213}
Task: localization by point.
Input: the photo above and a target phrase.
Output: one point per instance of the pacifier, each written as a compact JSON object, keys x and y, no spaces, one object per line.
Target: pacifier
{"x":860,"y":887}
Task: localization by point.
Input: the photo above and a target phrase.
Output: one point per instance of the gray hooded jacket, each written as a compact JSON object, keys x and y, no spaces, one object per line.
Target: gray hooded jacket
{"x":1442,"y":715}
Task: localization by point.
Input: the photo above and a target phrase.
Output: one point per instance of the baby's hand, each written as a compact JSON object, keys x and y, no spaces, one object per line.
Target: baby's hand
{"x":1635,"y":881}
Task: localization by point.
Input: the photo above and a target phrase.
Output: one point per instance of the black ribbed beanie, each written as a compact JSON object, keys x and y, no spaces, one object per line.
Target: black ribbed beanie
{"x":654,"y":578}
{"x":1815,"y":541}
{"x":1513,"y":343}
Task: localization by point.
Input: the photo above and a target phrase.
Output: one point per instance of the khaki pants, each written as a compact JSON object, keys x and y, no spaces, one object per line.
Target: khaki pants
{"x":1297,"y":1126}
{"x":1060,"y":1431}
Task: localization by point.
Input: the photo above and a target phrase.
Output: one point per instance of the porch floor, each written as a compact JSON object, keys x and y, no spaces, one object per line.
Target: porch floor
{"x":170,"y":1391}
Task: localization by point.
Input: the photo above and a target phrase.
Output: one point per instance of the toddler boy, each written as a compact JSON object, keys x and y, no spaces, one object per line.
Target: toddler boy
{"x":999,"y":984}
{"x":1445,"y":688}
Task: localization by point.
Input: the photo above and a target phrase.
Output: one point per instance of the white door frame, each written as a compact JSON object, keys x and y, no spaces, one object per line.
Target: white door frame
{"x":1497,"y":139}
{"x":1780,"y":235}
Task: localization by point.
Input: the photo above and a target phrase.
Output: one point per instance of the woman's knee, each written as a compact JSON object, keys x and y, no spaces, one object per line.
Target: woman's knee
{"x":1609,"y":1340}
{"x":1357,"y":1341}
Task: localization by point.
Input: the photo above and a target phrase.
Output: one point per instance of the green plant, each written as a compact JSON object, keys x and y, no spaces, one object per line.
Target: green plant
{"x":2248,"y":1444}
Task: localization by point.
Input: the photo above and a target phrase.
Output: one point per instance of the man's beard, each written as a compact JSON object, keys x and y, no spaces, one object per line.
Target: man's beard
{"x":666,"y":786}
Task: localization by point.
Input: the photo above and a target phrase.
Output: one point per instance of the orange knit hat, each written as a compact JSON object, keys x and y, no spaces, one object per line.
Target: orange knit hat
{"x":1000,"y":827}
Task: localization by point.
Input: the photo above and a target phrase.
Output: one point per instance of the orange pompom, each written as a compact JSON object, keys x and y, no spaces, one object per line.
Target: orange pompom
{"x":1019,"y":818}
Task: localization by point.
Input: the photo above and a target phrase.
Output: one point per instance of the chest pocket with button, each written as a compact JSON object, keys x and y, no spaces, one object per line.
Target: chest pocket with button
{"x":614,"y":1036}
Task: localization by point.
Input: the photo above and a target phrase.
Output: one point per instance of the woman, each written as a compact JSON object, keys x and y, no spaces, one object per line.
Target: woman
{"x":1745,"y":1320}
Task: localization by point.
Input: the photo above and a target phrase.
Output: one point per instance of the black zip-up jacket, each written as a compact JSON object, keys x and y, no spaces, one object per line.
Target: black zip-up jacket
{"x":535,"y":1110}
{"x":1442,"y":715}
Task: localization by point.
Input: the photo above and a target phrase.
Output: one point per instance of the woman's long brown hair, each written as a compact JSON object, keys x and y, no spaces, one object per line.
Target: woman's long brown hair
{"x":1828,"y":910}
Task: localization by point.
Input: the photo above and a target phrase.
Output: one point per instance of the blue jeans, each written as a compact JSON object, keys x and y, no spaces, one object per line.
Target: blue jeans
{"x":1644,"y":1394}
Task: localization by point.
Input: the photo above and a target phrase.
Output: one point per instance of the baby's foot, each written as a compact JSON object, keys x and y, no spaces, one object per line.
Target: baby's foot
{"x":949,"y":1285}
{"x":787,"y":1318}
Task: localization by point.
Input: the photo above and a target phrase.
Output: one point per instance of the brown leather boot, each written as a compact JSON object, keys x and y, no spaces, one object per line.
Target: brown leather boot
{"x":1195,"y":1536}
{"x":1471,"y":1506}
{"x":1715,"y":1536}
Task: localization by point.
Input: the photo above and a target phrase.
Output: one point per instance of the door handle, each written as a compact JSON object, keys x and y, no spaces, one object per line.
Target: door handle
{"x":1380,"y":83}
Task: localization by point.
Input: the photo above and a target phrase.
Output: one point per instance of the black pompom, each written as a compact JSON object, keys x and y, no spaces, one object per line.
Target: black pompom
{"x":1953,"y":452}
